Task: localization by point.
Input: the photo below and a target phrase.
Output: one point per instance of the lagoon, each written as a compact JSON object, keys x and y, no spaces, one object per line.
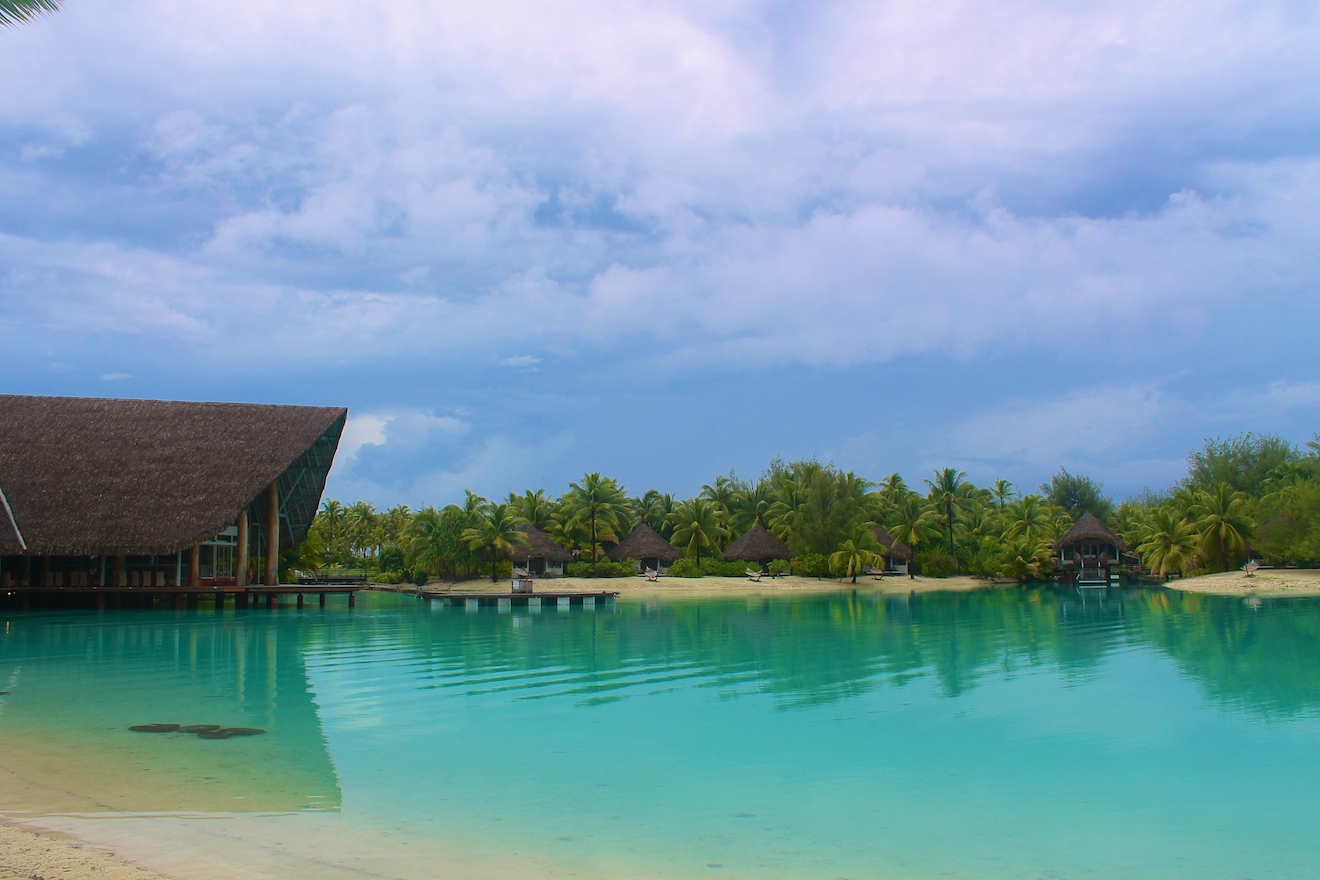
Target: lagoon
{"x":1007,"y":733}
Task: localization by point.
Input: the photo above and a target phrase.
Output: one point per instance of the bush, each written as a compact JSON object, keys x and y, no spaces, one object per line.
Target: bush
{"x":602,"y":569}
{"x":419,"y":577}
{"x":935,"y":564}
{"x":985,"y":559}
{"x":815,"y":565}
{"x":781,"y":566}
{"x":687,"y":568}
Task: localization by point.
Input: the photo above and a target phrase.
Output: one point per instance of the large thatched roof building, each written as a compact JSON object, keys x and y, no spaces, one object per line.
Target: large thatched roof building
{"x":647,"y":549}
{"x":136,"y":492}
{"x":897,"y":554}
{"x":757,"y":545}
{"x":542,"y":557}
{"x":1090,"y":552}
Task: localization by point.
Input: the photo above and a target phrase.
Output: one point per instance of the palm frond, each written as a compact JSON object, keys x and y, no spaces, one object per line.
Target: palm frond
{"x":16,"y":12}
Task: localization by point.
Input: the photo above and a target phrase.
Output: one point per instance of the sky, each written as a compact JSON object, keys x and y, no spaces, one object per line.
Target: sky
{"x":664,"y":240}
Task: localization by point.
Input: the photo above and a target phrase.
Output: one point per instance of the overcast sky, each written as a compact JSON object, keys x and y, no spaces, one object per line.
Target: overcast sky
{"x":524,"y":240}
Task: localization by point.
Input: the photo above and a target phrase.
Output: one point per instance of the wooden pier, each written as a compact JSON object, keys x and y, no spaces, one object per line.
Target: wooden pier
{"x":252,"y":596}
{"x":549,"y":599}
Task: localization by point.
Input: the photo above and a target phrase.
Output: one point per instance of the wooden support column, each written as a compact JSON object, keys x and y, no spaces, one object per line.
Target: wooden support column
{"x":195,"y":565}
{"x":121,"y":576}
{"x":241,"y":565}
{"x":273,"y":534}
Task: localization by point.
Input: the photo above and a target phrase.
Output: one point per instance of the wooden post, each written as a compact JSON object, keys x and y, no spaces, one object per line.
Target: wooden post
{"x":322,"y":600}
{"x":241,"y":566}
{"x":300,"y":600}
{"x":352,"y":600}
{"x":273,"y":534}
{"x":195,"y":565}
{"x":121,"y":576}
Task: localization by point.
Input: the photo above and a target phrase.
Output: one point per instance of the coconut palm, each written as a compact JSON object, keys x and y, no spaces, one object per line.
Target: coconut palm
{"x":857,"y":551}
{"x":496,"y":532}
{"x":1003,"y":493}
{"x":1026,"y":558}
{"x":1170,"y":543}
{"x":913,"y":523}
{"x":1222,"y":522}
{"x":1029,"y":517}
{"x":750,"y":506}
{"x":947,"y":491}
{"x":595,"y":502}
{"x":697,"y":524}
{"x":16,"y":12}
{"x":535,"y":508}
{"x":721,"y":495}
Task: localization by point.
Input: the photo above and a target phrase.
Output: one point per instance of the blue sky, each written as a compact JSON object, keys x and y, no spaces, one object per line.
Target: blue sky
{"x":523,"y":240}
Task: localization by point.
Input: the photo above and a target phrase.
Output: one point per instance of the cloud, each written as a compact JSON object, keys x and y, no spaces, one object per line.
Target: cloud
{"x":115,"y":377}
{"x":522,"y":360}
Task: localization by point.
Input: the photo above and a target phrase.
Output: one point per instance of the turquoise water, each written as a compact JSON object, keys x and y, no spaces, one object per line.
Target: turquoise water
{"x":999,"y":734}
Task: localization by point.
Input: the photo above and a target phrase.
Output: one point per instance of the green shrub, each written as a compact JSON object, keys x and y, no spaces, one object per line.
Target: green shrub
{"x":781,"y":566}
{"x":935,"y":564}
{"x":687,"y":568}
{"x":602,"y":569}
{"x":815,"y":565}
{"x":419,"y":577}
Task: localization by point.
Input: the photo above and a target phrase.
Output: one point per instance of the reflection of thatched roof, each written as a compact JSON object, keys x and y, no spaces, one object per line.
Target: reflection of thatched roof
{"x":539,"y":545}
{"x":757,"y":545}
{"x":91,"y":477}
{"x":894,"y":548}
{"x":1089,"y":528}
{"x":644,"y":543}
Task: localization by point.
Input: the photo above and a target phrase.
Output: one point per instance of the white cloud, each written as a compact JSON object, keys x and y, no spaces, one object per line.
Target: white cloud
{"x":522,"y":360}
{"x":115,"y":377}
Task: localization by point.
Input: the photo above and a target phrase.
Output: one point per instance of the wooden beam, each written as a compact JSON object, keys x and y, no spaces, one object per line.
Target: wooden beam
{"x":273,"y":534}
{"x":241,"y":566}
{"x":195,"y":565}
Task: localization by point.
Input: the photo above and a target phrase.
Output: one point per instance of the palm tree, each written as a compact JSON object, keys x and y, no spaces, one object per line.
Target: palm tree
{"x":534,"y":507}
{"x":1026,"y":558}
{"x":16,"y":12}
{"x":913,"y":523}
{"x":1170,"y":542}
{"x":947,"y":490}
{"x":696,"y":524}
{"x":1003,"y":493}
{"x":595,"y":502}
{"x":721,"y":495}
{"x":857,"y":551}
{"x":1224,"y":526}
{"x":496,"y":532}
{"x":1029,"y":517}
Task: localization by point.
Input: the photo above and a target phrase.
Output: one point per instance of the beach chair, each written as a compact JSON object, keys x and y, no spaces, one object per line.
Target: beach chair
{"x":521,"y":573}
{"x":753,"y":575}
{"x":652,"y":574}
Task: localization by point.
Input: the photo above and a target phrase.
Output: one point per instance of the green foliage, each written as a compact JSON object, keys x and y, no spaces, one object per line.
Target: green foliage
{"x":687,"y":568}
{"x":985,"y":559}
{"x":780,"y":566}
{"x":494,"y":535}
{"x":698,"y":527}
{"x":602,"y":569}
{"x":15,"y":12}
{"x":1244,"y":462}
{"x":856,"y":552}
{"x":935,"y":563}
{"x":1078,"y":494}
{"x":815,"y":565}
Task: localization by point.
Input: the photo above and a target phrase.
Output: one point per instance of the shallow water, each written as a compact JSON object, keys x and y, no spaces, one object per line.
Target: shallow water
{"x":1011,"y":733}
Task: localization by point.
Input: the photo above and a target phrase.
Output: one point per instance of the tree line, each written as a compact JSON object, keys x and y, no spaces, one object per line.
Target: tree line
{"x":1250,"y":495}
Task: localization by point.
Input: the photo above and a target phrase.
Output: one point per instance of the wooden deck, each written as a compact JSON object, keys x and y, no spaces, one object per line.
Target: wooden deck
{"x":550,"y":598}
{"x":138,"y":597}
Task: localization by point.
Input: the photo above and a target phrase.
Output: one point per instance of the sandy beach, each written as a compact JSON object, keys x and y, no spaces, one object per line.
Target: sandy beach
{"x":721,"y":586}
{"x":29,"y":855}
{"x":1265,"y":583}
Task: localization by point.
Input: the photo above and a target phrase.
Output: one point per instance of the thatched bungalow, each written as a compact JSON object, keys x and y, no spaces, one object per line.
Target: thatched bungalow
{"x":149,"y":493}
{"x":897,"y":555}
{"x":758,"y":546}
{"x":646,"y":549}
{"x":1089,"y":553}
{"x":542,"y":557}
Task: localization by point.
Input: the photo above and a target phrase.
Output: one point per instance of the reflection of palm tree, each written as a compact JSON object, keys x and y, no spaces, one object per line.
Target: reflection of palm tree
{"x":1223,"y":524}
{"x":857,"y":551}
{"x":15,"y":12}
{"x":497,"y":533}
{"x":696,"y":524}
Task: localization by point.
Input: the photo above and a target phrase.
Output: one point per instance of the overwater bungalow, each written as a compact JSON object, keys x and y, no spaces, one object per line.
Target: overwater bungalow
{"x":1090,"y":553}
{"x":646,"y":549}
{"x":542,"y":557}
{"x":756,"y":545}
{"x":896,"y":554}
{"x":167,"y":495}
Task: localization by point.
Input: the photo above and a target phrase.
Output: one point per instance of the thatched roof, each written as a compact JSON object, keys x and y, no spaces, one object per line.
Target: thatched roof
{"x":757,"y":545}
{"x":1089,"y":528}
{"x":645,"y":543}
{"x":894,"y":548}
{"x":539,"y":545}
{"x":90,"y":477}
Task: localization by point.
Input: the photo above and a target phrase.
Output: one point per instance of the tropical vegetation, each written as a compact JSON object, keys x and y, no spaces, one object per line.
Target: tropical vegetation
{"x":1250,"y":496}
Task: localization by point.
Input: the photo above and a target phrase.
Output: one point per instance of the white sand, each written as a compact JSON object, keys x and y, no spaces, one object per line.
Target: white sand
{"x":1264,"y":583}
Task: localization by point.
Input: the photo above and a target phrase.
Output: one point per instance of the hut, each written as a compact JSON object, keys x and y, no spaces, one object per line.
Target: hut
{"x":1089,"y":553}
{"x":896,"y":554}
{"x":647,"y":549}
{"x":149,"y":493}
{"x":542,"y":557}
{"x":758,"y":546}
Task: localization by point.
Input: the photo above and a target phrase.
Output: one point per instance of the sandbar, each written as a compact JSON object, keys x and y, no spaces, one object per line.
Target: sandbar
{"x":1265,"y":583}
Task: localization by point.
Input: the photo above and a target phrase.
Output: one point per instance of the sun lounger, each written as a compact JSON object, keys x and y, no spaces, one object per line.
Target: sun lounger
{"x":753,"y":575}
{"x":652,"y":574}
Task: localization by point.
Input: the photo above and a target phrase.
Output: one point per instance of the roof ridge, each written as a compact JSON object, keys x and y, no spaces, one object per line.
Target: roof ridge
{"x":13,"y":522}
